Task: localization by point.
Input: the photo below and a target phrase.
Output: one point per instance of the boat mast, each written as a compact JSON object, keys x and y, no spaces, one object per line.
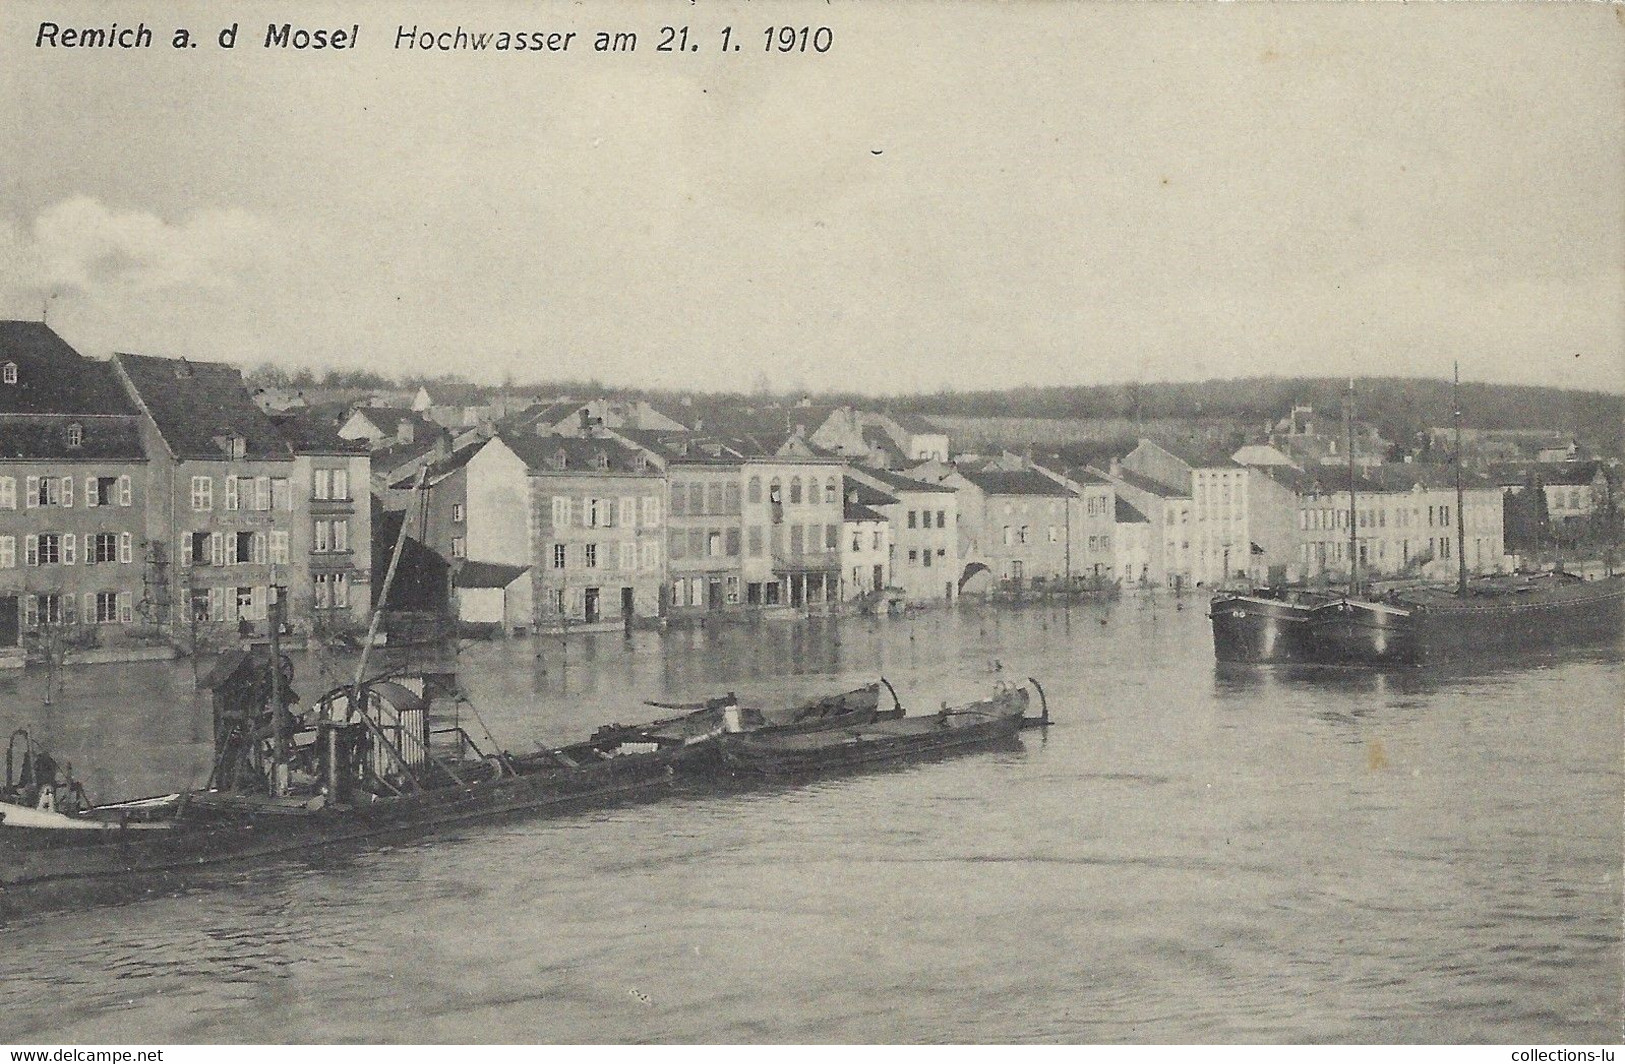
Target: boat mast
{"x":1354,"y":540}
{"x":383,"y":595}
{"x":1461,"y":509}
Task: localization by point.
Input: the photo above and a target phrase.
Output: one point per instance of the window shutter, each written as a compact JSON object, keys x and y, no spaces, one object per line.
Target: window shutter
{"x":67,"y":604}
{"x":90,"y":548}
{"x":126,"y":607}
{"x":262,"y":493}
{"x":231,"y":493}
{"x":629,"y":512}
{"x":126,"y":547}
{"x":31,"y":493}
{"x":69,"y":549}
{"x":90,"y":607}
{"x":67,"y":491}
{"x":217,"y":604}
{"x":31,"y":550}
{"x":8,"y":552}
{"x":124,"y":491}
{"x":90,"y":491}
{"x":259,"y":547}
{"x":217,"y":550}
{"x":8,"y":493}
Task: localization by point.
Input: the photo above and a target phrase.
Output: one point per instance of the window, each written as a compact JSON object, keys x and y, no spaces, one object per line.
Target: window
{"x":281,"y":494}
{"x":8,"y":552}
{"x":628,"y":557}
{"x":231,"y":493}
{"x":323,"y":541}
{"x":857,"y":542}
{"x":11,"y":373}
{"x":927,"y":559}
{"x":713,"y":543}
{"x":459,"y":547}
{"x":714,"y":498}
{"x":650,"y":551}
{"x":105,"y":607}
{"x":332,"y":591}
{"x":730,"y":498}
{"x":795,"y":490}
{"x":103,"y":548}
{"x":753,"y":541}
{"x":47,"y":491}
{"x":76,"y":435}
{"x":202,"y":493}
{"x":8,"y":493}
{"x":203,"y":604}
{"x":42,"y":609}
{"x":262,"y":493}
{"x":1009,"y":536}
{"x":753,"y":491}
{"x":341,"y":490}
{"x":1021,"y":536}
{"x":679,"y":544}
{"x":279,"y":548}
{"x":832,"y":536}
{"x":590,"y":559}
{"x":458,"y":513}
{"x":911,"y":519}
{"x":558,"y":556}
{"x":732,"y":546}
{"x":679,"y":497}
{"x":322,"y":486}
{"x":561,"y":511}
{"x":629,"y":512}
{"x":243,"y":548}
{"x":651,"y":511}
{"x":797,"y":539}
{"x":589,"y":511}
{"x":832,"y":492}
{"x":875,"y":536}
{"x":48,"y":550}
{"x":913,"y":557}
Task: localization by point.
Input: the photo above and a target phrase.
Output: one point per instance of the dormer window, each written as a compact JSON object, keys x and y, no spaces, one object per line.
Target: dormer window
{"x":76,"y":435}
{"x":232,"y":445}
{"x":600,"y":460}
{"x":640,"y":462}
{"x":9,"y":373}
{"x":559,"y":460}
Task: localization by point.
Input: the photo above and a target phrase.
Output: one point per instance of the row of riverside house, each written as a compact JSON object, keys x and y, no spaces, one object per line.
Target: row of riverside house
{"x":148,"y":503}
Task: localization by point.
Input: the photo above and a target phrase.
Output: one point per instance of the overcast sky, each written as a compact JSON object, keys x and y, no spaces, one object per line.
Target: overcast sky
{"x":970,"y":195}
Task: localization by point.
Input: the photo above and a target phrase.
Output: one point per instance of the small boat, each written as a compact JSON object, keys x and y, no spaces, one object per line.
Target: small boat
{"x":773,"y":753}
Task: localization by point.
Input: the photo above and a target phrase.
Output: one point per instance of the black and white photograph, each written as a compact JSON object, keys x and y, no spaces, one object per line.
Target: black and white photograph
{"x":811,"y":524}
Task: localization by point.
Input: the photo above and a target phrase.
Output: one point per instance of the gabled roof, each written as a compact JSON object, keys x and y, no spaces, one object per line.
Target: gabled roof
{"x":450,"y":464}
{"x":1198,"y":453}
{"x":540,"y":453}
{"x":389,"y":418}
{"x":880,"y":440}
{"x":29,"y":437}
{"x":1150,"y":486}
{"x":199,"y":406}
{"x":1128,"y":513}
{"x":1554,"y":473}
{"x":487,"y":574}
{"x":686,"y":448}
{"x":308,"y":433}
{"x":858,"y":500}
{"x":53,"y":378}
{"x":395,"y":458}
{"x":898,"y":482}
{"x":917,"y":425}
{"x":1014,"y":482}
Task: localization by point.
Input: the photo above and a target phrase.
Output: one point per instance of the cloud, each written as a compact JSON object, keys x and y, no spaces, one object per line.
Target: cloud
{"x":81,"y":244}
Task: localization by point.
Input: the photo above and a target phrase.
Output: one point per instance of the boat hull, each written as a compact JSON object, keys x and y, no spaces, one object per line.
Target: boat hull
{"x":980,"y":726}
{"x":1255,"y":630}
{"x":202,"y":836}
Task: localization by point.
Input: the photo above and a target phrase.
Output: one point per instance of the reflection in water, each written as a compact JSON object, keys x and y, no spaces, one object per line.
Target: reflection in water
{"x":1190,"y":854}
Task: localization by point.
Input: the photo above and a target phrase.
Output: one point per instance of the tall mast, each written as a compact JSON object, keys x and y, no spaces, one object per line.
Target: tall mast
{"x":1354,"y":539}
{"x":1461,"y":509}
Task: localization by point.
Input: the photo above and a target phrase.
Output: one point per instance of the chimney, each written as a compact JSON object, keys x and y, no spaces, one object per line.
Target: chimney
{"x":403,"y":431}
{"x":1117,"y":466}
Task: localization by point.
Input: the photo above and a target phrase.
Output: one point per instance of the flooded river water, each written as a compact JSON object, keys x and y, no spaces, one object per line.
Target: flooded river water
{"x":1188,"y":855}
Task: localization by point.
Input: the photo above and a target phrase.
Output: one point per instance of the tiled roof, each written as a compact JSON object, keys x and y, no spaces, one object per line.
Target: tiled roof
{"x":487,"y":574}
{"x":539,"y":453}
{"x":856,"y":511}
{"x":1128,"y":513}
{"x":1150,"y":486}
{"x":1565,"y":473}
{"x":199,"y":405}
{"x":898,"y":482}
{"x":307,"y":433}
{"x":855,"y":492}
{"x":393,"y":459}
{"x":450,"y":464}
{"x":683,"y":448}
{"x":389,"y":418}
{"x":1198,"y":453}
{"x":880,"y":440}
{"x":1014,"y":482}
{"x":916,"y":424}
{"x":36,"y":437}
{"x":53,"y":378}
